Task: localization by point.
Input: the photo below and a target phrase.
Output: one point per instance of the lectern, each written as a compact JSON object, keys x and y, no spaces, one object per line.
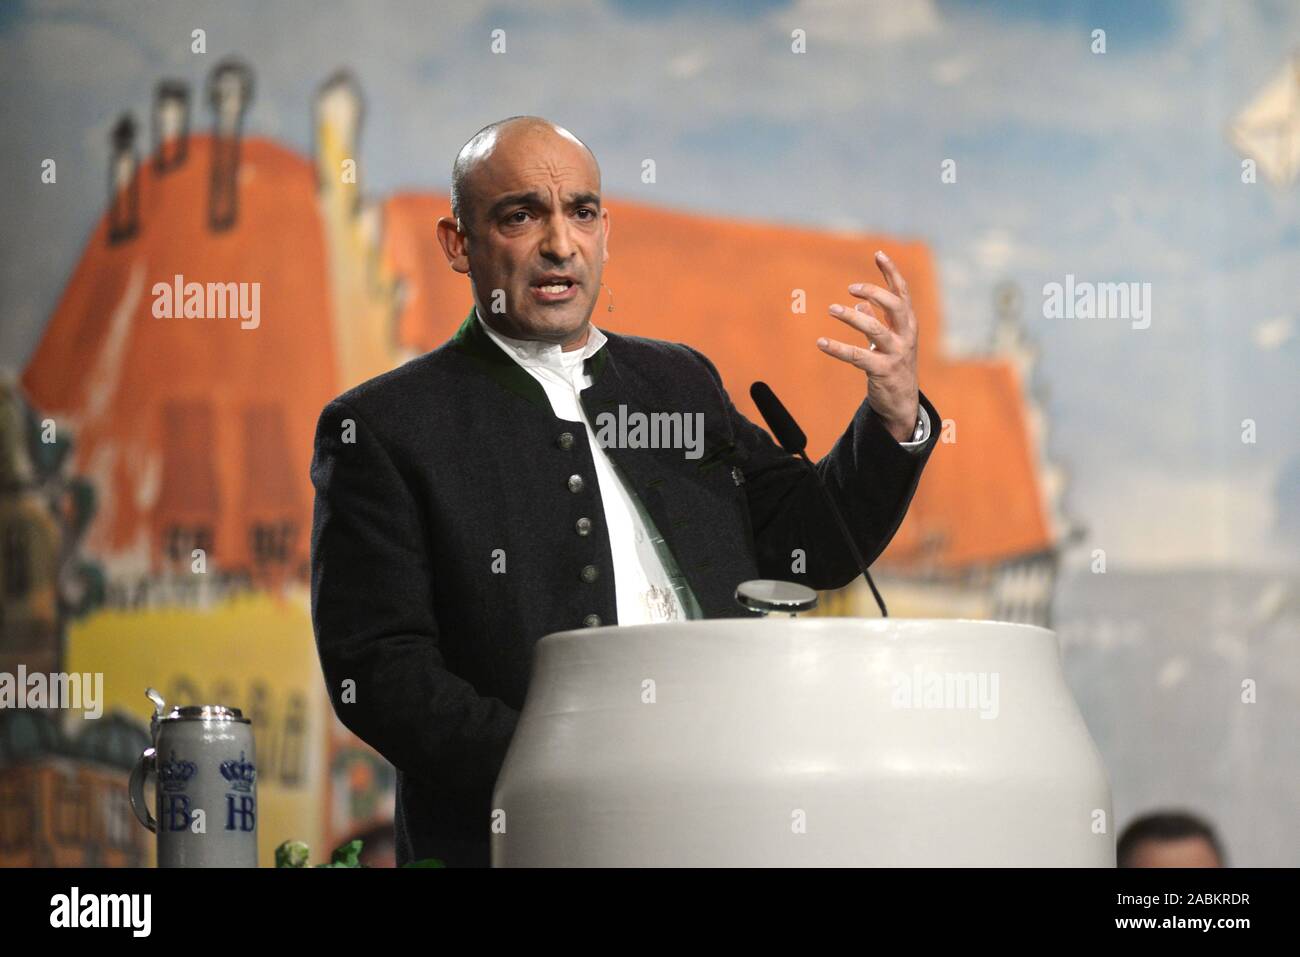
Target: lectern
{"x":802,"y":742}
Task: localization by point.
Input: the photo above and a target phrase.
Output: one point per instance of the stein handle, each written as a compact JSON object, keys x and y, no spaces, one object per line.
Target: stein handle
{"x":148,"y":762}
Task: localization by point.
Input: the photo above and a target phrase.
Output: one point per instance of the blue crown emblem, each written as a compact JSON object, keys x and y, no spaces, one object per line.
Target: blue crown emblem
{"x":241,"y":774}
{"x":173,"y":775}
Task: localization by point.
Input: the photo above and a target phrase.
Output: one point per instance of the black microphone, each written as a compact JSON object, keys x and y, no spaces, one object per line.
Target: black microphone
{"x":790,"y":437}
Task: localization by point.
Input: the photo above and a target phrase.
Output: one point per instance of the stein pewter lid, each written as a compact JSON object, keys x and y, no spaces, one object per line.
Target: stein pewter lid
{"x":205,"y":712}
{"x":190,"y":712}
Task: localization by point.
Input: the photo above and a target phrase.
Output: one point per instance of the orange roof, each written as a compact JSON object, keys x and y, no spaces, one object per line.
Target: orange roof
{"x":725,"y":287}
{"x":979,"y":500}
{"x":138,"y":389}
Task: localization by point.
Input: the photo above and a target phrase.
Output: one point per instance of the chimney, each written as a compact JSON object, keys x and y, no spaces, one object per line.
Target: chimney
{"x":230,"y":90}
{"x":339,"y":114}
{"x":123,"y":184}
{"x":171,"y":125}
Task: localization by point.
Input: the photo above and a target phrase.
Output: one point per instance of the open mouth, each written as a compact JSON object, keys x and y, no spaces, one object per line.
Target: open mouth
{"x":555,"y":290}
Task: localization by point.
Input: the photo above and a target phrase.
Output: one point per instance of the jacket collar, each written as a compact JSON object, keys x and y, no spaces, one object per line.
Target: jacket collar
{"x":472,"y":340}
{"x":534,"y":354}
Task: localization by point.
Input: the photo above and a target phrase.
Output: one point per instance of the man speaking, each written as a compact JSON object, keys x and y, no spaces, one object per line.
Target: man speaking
{"x":466,"y":505}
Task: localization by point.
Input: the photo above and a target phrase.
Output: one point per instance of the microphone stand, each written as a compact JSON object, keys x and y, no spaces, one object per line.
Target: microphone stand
{"x":844,"y":531}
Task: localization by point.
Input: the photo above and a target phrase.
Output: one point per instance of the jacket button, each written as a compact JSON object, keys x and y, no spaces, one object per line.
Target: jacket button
{"x":565,"y":441}
{"x":590,"y":573}
{"x":591,"y":621}
{"x":576,"y":484}
{"x":583,"y":525}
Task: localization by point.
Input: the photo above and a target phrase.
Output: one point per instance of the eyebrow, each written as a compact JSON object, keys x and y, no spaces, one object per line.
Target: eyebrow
{"x":534,"y":198}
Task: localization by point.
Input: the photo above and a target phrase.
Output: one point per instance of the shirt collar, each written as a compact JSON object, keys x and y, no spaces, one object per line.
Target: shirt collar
{"x":532,"y":352}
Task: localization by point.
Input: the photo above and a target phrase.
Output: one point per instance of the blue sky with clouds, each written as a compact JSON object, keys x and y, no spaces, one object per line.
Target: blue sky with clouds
{"x":1111,"y":167}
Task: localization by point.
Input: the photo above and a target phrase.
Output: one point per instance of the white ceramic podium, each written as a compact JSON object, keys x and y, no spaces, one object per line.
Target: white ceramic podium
{"x":802,"y":742}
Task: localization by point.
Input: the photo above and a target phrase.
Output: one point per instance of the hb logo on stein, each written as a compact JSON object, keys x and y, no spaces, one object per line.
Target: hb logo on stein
{"x":241,"y":776}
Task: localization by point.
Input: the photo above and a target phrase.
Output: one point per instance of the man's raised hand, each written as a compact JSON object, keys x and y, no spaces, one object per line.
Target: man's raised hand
{"x":889,"y":359}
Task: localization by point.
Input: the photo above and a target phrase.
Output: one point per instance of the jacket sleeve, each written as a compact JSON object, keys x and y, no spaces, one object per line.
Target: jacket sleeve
{"x":375,"y":625}
{"x":869,"y":474}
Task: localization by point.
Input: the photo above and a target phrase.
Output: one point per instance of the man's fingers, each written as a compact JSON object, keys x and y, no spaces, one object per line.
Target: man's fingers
{"x":898,"y":284}
{"x":892,"y":276}
{"x":862,"y":320}
{"x":890,"y":304}
{"x":872,"y":363}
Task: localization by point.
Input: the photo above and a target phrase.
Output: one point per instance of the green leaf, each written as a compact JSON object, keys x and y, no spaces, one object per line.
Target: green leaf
{"x":291,"y":854}
{"x":347,"y":855}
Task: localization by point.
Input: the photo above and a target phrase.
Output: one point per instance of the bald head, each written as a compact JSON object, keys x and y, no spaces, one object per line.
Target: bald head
{"x":480,"y":149}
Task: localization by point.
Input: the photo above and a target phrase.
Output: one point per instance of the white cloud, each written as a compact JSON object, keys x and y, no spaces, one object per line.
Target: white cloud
{"x":688,"y":65}
{"x":855,"y":23}
{"x":997,"y":250}
{"x":1172,"y":673}
{"x":1273,"y":333}
{"x":952,"y":70}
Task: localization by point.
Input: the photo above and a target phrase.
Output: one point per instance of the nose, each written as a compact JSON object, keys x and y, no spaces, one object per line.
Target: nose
{"x":557,"y":244}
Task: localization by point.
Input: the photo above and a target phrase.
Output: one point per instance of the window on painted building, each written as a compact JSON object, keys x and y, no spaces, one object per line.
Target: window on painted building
{"x":17,"y":561}
{"x":179,"y":541}
{"x":272,"y":542}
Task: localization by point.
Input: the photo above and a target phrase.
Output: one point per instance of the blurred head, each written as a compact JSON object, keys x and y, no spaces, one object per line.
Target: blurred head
{"x":1169,"y":839}
{"x":526,"y":212}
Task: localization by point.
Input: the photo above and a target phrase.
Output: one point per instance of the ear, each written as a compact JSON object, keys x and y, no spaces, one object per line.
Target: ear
{"x":604,"y":215}
{"x":454,"y":244}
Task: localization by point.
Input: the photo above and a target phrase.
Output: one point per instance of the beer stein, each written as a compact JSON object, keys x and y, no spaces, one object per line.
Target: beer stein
{"x":205,"y":786}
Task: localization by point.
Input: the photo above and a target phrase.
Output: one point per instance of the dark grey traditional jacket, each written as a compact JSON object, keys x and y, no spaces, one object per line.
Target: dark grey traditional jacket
{"x":423,"y":473}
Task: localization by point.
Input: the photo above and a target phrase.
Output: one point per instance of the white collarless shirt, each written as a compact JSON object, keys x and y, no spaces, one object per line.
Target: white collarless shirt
{"x":642,"y":588}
